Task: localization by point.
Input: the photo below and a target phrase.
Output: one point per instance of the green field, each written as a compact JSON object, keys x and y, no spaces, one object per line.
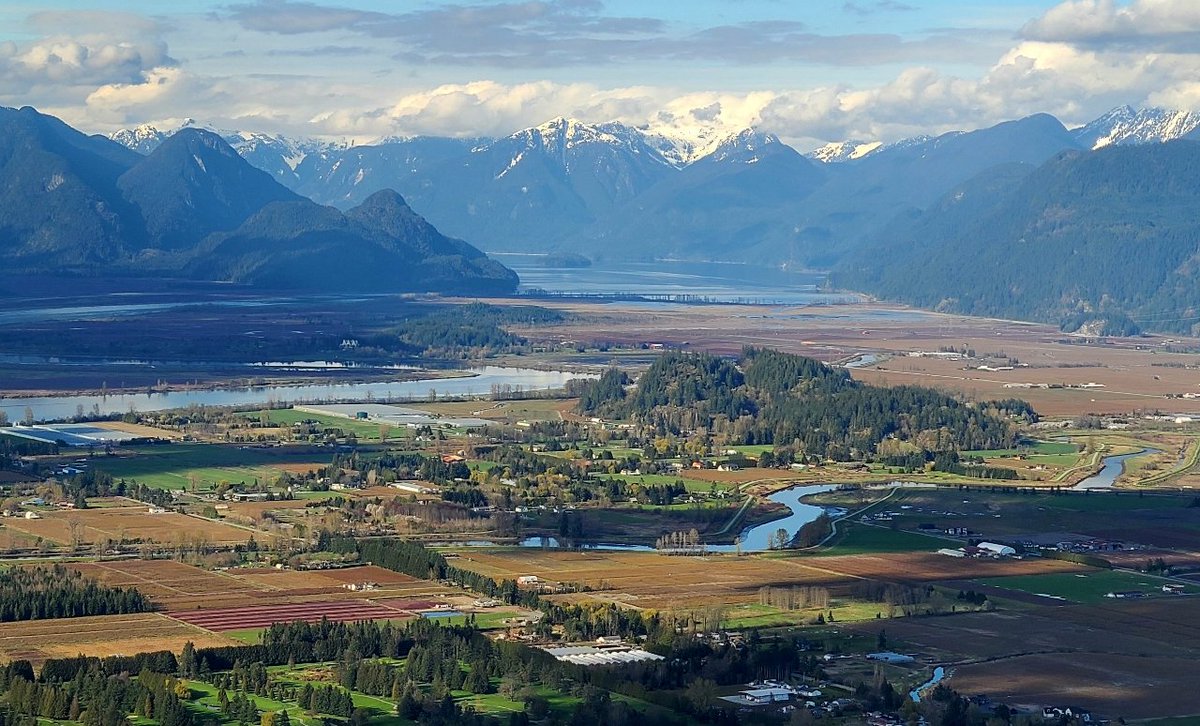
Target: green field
{"x":174,"y":466}
{"x":861,"y":539}
{"x":1089,"y":587}
{"x":1036,"y":448}
{"x":362,"y":430}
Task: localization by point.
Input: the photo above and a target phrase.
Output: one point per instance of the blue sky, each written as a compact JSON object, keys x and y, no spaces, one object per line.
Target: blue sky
{"x":809,"y":70}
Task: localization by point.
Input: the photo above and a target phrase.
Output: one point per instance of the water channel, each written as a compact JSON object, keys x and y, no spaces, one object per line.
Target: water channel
{"x":1107,"y":476}
{"x":755,"y":538}
{"x":479,"y":382}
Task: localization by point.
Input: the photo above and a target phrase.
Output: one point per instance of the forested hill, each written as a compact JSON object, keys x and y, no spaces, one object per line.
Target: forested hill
{"x":1104,"y":241}
{"x":790,"y":401}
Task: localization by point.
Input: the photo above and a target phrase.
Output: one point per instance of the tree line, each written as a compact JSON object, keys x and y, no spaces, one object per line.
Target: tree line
{"x":39,"y":593}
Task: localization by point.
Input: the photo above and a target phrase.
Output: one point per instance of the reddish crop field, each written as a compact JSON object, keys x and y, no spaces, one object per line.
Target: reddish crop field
{"x":264,"y":615}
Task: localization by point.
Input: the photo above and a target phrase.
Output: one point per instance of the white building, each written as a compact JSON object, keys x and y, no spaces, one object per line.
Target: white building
{"x":998,"y":550}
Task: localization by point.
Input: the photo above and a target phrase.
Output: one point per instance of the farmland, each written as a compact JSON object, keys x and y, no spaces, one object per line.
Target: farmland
{"x":204,"y":466}
{"x":128,"y":523}
{"x":180,"y":588}
{"x":1085,"y":587}
{"x":1121,"y":658}
{"x":654,"y":581}
{"x":100,"y":636}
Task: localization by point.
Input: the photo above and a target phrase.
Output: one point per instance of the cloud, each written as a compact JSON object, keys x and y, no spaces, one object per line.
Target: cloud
{"x":874,"y":8}
{"x":65,"y":62}
{"x":292,"y":18}
{"x":556,"y":33}
{"x":1164,"y":25}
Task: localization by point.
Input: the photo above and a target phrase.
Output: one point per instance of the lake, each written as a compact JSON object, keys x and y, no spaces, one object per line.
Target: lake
{"x":713,"y":281}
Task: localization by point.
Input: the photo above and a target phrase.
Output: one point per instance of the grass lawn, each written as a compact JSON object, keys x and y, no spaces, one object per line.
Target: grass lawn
{"x":1111,"y":501}
{"x":860,"y":539}
{"x":363,"y":430}
{"x":1084,"y":587}
{"x":250,"y":636}
{"x":1035,"y":448}
{"x":769,"y":616}
{"x":174,"y":466}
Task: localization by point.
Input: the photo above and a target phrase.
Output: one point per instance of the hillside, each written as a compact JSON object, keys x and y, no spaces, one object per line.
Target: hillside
{"x":1103,"y":236}
{"x":194,"y":208}
{"x":800,"y":405}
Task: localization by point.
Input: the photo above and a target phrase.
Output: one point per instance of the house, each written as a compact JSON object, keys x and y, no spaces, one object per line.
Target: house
{"x":951,"y":553}
{"x":1126,"y":594}
{"x":1173,"y":588}
{"x":527,"y":580}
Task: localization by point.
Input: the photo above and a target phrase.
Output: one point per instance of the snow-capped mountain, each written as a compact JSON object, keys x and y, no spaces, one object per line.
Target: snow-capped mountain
{"x":145,"y":138}
{"x":273,"y":153}
{"x":839,"y":151}
{"x":1125,"y":125}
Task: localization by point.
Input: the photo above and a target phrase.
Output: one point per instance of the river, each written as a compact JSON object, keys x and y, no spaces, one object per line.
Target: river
{"x":1107,"y":476}
{"x":480,"y":382}
{"x":754,"y":539}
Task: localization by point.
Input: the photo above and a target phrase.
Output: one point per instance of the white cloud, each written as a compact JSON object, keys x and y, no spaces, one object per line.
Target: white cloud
{"x":1076,"y":61}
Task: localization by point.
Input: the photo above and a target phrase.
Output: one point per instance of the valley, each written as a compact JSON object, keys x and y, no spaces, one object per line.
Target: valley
{"x":512,"y":508}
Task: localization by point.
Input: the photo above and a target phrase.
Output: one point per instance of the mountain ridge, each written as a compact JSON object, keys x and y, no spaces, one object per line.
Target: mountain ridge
{"x":194,"y":207}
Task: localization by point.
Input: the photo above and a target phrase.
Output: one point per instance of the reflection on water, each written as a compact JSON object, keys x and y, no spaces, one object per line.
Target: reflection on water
{"x":1113,"y":466}
{"x":716,"y":281}
{"x":480,"y":383}
{"x":753,"y":539}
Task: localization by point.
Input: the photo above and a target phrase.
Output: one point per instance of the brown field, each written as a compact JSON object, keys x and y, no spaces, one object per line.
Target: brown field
{"x":103,"y":635}
{"x":176,"y":587}
{"x":252,"y":509}
{"x":650,"y":580}
{"x":840,"y":332}
{"x":918,"y":567}
{"x":139,"y":430}
{"x":130,"y":524}
{"x":1134,"y":659}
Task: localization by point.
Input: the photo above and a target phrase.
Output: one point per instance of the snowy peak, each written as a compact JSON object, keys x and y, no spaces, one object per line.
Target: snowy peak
{"x":1125,"y":125}
{"x":840,"y":151}
{"x":561,"y":135}
{"x":742,"y":147}
{"x":145,"y":138}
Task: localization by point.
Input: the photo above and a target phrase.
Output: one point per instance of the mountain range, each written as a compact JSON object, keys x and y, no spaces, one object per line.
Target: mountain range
{"x":615,"y":191}
{"x":194,"y":207}
{"x":912,"y":221}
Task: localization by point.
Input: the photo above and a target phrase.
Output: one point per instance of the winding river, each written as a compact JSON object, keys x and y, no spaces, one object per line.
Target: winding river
{"x":753,"y":539}
{"x":1107,"y":476}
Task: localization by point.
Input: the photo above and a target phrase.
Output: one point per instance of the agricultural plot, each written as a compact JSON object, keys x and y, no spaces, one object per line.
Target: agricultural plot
{"x":180,"y":466}
{"x":1092,"y":586}
{"x":1130,"y":659}
{"x":261,"y":616}
{"x":651,"y":580}
{"x":129,"y":524}
{"x":101,"y":635}
{"x":178,"y":588}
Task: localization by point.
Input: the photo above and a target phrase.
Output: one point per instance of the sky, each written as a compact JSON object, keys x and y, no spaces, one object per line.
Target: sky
{"x":810,"y":71}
